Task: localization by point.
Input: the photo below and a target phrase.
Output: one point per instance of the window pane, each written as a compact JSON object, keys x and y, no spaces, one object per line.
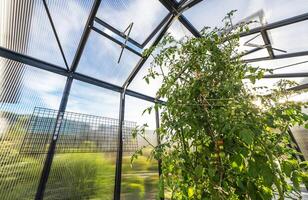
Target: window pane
{"x":87,"y":175}
{"x":211,"y":12}
{"x":140,"y":181}
{"x":178,"y":31}
{"x":22,"y":89}
{"x":69,"y":18}
{"x":25,"y":28}
{"x":145,"y":15}
{"x":100,"y":60}
{"x":291,"y":38}
{"x":287,"y":65}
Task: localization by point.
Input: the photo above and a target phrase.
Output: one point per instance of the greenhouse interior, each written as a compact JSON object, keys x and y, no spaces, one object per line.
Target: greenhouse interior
{"x":153,"y":99}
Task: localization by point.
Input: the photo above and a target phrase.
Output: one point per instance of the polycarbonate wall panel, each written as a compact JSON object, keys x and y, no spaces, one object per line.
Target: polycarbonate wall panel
{"x":211,"y":12}
{"x":145,"y":15}
{"x":86,"y":175}
{"x":140,"y":180}
{"x":100,"y":60}
{"x":69,"y":18}
{"x":25,"y":28}
{"x":22,"y":89}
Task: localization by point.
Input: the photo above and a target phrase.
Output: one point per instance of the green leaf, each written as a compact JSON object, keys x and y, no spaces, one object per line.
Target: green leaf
{"x":199,"y":170}
{"x":191,"y":192}
{"x":247,"y":136}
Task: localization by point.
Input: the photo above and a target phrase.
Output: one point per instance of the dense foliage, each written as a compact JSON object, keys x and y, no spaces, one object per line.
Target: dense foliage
{"x":222,"y":138}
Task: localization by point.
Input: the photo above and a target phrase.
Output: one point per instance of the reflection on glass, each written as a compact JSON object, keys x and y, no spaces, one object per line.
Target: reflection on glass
{"x":87,"y":175}
{"x":211,"y":12}
{"x":140,"y":180}
{"x":20,"y":92}
{"x":121,"y":13}
{"x":100,"y":60}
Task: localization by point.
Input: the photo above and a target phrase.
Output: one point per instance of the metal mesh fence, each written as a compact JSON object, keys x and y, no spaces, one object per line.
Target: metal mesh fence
{"x":79,"y":133}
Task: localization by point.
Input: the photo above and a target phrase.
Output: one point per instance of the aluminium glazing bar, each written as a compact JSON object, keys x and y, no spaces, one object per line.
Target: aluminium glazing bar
{"x":28,"y":60}
{"x":286,"y":75}
{"x":281,"y":56}
{"x":299,"y":87}
{"x":160,"y":25}
{"x":118,"y":171}
{"x":172,"y":6}
{"x":55,"y":33}
{"x":277,"y":24}
{"x":158,"y":143}
{"x":188,"y":5}
{"x":52,"y":146}
{"x":85,"y":35}
{"x":33,"y":62}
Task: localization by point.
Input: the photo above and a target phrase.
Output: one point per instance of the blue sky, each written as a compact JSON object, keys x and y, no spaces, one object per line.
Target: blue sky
{"x":100,"y":55}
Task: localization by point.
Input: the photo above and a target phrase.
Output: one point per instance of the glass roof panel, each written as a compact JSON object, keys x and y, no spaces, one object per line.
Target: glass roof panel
{"x":211,"y":12}
{"x":178,"y":31}
{"x":25,"y":28}
{"x":287,"y":65}
{"x":69,"y":18}
{"x":291,"y":38}
{"x":270,"y":83}
{"x":257,"y":54}
{"x":249,"y":42}
{"x":145,"y":15}
{"x":100,"y":60}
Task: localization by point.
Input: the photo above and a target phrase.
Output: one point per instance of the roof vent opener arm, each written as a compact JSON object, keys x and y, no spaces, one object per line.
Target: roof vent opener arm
{"x":129,"y":28}
{"x":249,"y":44}
{"x":260,"y":15}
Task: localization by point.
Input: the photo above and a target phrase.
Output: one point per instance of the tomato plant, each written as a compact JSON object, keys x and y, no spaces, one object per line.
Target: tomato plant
{"x":222,"y":137}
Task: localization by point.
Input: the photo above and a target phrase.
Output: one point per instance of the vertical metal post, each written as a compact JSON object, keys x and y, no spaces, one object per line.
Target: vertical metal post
{"x":51,"y":150}
{"x":118,"y":172}
{"x":158,"y":143}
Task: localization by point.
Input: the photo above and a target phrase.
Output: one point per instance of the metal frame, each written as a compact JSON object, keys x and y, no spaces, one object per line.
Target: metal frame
{"x":175,"y":12}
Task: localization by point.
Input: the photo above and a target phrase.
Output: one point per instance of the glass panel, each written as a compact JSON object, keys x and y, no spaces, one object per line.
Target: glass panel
{"x":22,"y":89}
{"x":270,"y":83}
{"x":299,"y":132}
{"x":291,"y":38}
{"x":145,"y":15}
{"x":69,"y":18}
{"x":140,"y":181}
{"x":287,"y":65}
{"x":257,"y":54}
{"x":141,"y":86}
{"x":250,"y":42}
{"x":178,"y":31}
{"x":87,"y":175}
{"x":100,"y":60}
{"x":211,"y":12}
{"x":25,"y":28}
